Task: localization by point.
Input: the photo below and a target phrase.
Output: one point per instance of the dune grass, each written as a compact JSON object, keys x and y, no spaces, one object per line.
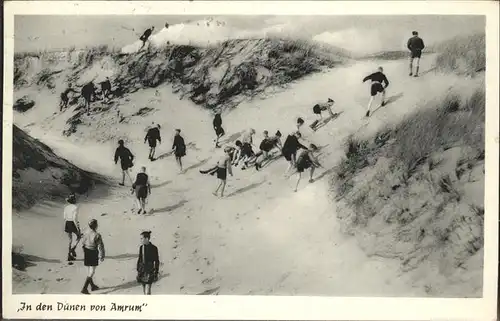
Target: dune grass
{"x":462,"y":55}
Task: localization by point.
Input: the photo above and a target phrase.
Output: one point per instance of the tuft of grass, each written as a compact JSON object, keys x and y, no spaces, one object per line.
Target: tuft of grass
{"x":462,"y":55}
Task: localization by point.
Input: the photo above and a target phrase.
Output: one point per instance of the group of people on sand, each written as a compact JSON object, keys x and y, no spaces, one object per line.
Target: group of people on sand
{"x":148,"y":262}
{"x":88,"y":92}
{"x":300,"y":156}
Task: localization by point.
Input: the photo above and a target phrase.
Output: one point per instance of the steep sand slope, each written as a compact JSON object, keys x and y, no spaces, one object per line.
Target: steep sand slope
{"x":262,"y":239}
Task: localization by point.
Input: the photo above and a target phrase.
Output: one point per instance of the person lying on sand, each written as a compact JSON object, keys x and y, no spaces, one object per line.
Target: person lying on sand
{"x":307,"y":159}
{"x":71,"y":225}
{"x":152,"y":135}
{"x":126,"y":158}
{"x":148,"y":263}
{"x":93,"y":252}
{"x":267,"y":144}
{"x":64,"y":97}
{"x":142,"y":189}
{"x":318,"y":110}
{"x":379,"y":84}
{"x":179,"y":148}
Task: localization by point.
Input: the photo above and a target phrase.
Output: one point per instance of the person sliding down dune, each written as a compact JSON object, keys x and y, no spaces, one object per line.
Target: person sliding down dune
{"x":145,"y":36}
{"x":307,"y":159}
{"x":379,"y":84}
{"x":290,"y":148}
{"x":415,"y":45}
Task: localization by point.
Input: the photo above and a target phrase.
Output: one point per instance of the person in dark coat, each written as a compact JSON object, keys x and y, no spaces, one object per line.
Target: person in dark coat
{"x":148,"y":263}
{"x":290,"y":148}
{"x":219,"y":131}
{"x":64,"y":97}
{"x":93,"y":252}
{"x":152,"y":136}
{"x":126,"y":158}
{"x":105,"y":88}
{"x":267,"y":144}
{"x":379,"y":84}
{"x":179,"y":148}
{"x":145,"y":36}
{"x":142,"y":189}
{"x":415,"y":45}
{"x":88,"y":91}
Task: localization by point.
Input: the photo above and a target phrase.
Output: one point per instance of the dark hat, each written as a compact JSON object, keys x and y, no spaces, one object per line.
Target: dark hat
{"x":278,"y":133}
{"x":121,"y":142}
{"x":146,"y":234}
{"x":300,"y":120}
{"x":93,"y":223}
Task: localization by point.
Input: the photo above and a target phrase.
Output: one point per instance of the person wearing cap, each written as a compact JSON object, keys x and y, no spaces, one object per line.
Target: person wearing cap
{"x":415,"y":45}
{"x":126,"y":158}
{"x":64,"y":97}
{"x":379,"y":85}
{"x":179,"y":148}
{"x":219,"y":131}
{"x":223,"y":167}
{"x":148,"y":263}
{"x":306,"y":159}
{"x":290,"y":148}
{"x":152,"y":135}
{"x":267,"y":144}
{"x":142,"y":189}
{"x":71,"y":225}
{"x":318,"y":110}
{"x":93,"y":252}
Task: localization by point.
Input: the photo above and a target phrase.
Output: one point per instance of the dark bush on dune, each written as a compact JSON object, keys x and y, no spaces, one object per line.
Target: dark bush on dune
{"x":23,"y":104}
{"x":39,"y":174}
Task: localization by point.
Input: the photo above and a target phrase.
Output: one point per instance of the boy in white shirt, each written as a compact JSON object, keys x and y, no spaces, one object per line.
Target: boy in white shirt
{"x":71,"y":226}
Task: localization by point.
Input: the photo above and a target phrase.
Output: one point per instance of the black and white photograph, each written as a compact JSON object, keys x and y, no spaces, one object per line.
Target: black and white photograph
{"x":249,"y":155}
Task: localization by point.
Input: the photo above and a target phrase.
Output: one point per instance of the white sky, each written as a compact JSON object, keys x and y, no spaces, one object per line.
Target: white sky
{"x":360,"y":34}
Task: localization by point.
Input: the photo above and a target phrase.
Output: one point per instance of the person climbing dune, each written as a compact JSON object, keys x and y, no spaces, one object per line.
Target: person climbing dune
{"x":88,"y":91}
{"x":105,"y":88}
{"x":142,"y":189}
{"x":219,"y":131}
{"x":179,"y":148}
{"x":415,"y":45}
{"x":126,"y":158}
{"x":145,"y":36}
{"x":267,"y":144}
{"x":307,"y":159}
{"x":318,"y":110}
{"x":290,"y":148}
{"x":379,"y":84}
{"x":64,"y":97}
{"x":152,"y":135}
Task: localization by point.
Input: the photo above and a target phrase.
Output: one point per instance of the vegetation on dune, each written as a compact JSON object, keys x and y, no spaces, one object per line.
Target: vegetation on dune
{"x":462,"y":55}
{"x":39,"y":174}
{"x":415,"y":192}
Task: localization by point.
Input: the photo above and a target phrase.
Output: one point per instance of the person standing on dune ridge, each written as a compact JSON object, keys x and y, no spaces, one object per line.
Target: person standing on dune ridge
{"x":379,"y":84}
{"x":415,"y":45}
{"x":145,"y":36}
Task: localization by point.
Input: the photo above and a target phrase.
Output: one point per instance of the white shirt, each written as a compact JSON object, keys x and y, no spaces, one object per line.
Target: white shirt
{"x":71,"y":213}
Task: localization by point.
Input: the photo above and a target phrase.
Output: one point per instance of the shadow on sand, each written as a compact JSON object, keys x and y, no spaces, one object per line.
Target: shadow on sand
{"x":326,"y":120}
{"x":428,"y":71}
{"x":231,"y":138}
{"x":200,"y":163}
{"x":127,"y":285}
{"x":246,"y":188}
{"x":122,"y":256}
{"x":389,"y":100}
{"x":170,"y":208}
{"x":161,"y":184}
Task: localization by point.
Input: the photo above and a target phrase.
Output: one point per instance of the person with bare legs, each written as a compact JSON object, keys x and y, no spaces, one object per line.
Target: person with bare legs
{"x":246,"y":154}
{"x":145,"y":36}
{"x":415,"y":45}
{"x":379,"y":84}
{"x":142,"y":189}
{"x":71,"y":225}
{"x":88,"y":91}
{"x":179,"y":148}
{"x":307,"y":159}
{"x":126,"y":158}
{"x":318,"y":110}
{"x":148,"y":263}
{"x":219,"y":131}
{"x":64,"y":97}
{"x":152,"y":135}
{"x":93,"y":250}
{"x":223,"y":167}
{"x":267,"y":144}
{"x":290,"y":148}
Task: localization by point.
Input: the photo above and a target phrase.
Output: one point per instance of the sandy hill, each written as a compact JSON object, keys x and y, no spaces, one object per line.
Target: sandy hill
{"x":261,"y":239}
